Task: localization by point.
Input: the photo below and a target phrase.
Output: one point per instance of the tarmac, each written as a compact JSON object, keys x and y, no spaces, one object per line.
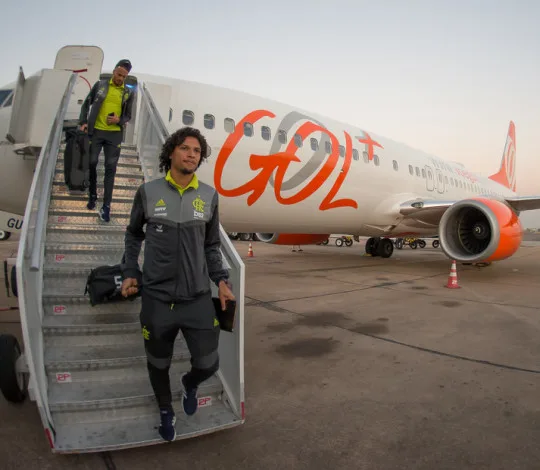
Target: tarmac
{"x":359,"y":363}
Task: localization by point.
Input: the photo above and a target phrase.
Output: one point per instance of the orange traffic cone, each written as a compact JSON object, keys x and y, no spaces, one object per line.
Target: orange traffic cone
{"x":250,"y":251}
{"x":452,"y":278}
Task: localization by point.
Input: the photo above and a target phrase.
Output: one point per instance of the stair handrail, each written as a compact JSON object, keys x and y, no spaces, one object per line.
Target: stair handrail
{"x":30,"y":259}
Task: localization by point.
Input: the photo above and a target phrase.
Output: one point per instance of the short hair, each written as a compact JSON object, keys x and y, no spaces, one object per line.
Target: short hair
{"x":124,"y":63}
{"x":176,"y":139}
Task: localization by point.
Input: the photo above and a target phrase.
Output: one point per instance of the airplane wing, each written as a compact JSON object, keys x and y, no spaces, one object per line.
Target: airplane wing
{"x":429,"y":212}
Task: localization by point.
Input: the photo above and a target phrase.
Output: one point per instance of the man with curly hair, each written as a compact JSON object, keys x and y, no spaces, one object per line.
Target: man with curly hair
{"x":182,"y":252}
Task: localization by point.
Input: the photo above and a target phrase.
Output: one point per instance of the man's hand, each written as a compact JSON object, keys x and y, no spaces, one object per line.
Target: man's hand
{"x":84,"y":127}
{"x":224,"y":294}
{"x":113,"y":119}
{"x":129,"y":287}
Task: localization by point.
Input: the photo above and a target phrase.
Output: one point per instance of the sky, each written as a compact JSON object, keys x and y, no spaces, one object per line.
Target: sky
{"x":442,"y":76}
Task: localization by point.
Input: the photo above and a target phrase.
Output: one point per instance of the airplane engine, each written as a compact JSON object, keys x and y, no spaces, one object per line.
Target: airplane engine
{"x":480,"y":230}
{"x":292,"y":238}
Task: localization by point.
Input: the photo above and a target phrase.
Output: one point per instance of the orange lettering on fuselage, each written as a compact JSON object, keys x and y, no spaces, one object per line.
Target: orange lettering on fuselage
{"x":279,"y":163}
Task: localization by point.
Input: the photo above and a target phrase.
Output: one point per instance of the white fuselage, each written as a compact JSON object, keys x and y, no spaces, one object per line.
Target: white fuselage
{"x":357,"y":191}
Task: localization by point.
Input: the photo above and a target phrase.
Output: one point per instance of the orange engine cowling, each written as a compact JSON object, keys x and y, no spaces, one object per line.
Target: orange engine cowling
{"x":480,"y":230}
{"x":292,"y":238}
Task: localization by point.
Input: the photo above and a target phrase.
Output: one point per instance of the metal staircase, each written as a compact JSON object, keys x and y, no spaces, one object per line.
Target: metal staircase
{"x":87,"y":364}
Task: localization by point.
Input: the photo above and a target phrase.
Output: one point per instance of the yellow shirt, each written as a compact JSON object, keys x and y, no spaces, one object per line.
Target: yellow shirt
{"x":111,"y":104}
{"x":194,"y":183}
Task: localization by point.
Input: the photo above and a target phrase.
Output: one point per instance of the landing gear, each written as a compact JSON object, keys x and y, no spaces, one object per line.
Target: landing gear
{"x":13,"y":383}
{"x":382,"y":247}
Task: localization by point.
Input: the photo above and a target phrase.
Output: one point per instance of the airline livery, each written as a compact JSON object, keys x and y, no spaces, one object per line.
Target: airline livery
{"x":294,"y":176}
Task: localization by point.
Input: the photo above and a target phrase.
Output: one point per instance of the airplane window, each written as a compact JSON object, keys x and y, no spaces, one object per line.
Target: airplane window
{"x":423,"y":173}
{"x":417,"y":171}
{"x":366,"y":156}
{"x":411,"y":170}
{"x":229,"y":125}
{"x":376,"y":160}
{"x":209,"y":121}
{"x":395,"y":165}
{"x":3,"y":95}
{"x":266,"y":133}
{"x":314,"y":144}
{"x":355,"y":155}
{"x":328,"y":147}
{"x":298,"y":140}
{"x":282,"y":137}
{"x":248,"y":129}
{"x":188,"y":117}
{"x":341,"y":151}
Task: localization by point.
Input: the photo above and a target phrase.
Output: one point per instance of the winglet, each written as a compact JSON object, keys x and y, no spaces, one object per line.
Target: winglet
{"x":507,"y":173}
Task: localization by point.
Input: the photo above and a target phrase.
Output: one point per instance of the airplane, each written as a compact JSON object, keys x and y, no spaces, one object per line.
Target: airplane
{"x":294,"y":176}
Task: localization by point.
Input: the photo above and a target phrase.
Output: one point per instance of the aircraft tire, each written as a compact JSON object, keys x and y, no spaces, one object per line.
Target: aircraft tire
{"x":4,"y":235}
{"x":370,"y":243}
{"x":385,"y":248}
{"x":13,"y":384}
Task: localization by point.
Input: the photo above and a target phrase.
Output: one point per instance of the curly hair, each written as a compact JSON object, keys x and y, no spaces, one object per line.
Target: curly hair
{"x":177,"y":139}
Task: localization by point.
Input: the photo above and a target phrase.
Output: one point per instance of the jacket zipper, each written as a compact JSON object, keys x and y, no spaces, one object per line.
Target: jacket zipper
{"x":178,"y":247}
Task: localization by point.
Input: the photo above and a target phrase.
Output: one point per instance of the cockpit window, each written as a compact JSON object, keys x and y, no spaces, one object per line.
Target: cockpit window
{"x":6,"y":98}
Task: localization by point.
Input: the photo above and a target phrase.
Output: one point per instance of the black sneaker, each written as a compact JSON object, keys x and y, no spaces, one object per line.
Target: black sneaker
{"x":166,"y":429}
{"x":91,"y":203}
{"x":189,"y":399}
{"x":105,"y":214}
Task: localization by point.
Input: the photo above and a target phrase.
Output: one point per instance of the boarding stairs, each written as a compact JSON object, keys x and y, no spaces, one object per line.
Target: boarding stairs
{"x":87,"y":364}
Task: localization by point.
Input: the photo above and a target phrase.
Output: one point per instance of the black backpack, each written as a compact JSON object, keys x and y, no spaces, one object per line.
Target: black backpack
{"x":104,"y":285}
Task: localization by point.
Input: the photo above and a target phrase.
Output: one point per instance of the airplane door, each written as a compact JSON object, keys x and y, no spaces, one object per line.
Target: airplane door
{"x":430,"y":178}
{"x":87,"y":61}
{"x":440,"y":181}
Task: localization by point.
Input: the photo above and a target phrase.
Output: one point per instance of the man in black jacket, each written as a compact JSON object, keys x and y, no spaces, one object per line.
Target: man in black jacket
{"x":110,"y":103}
{"x":182,"y":251}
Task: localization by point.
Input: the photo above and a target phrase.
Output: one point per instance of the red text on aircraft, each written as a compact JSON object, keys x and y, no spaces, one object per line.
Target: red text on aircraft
{"x":370,"y":143}
{"x":278,"y":163}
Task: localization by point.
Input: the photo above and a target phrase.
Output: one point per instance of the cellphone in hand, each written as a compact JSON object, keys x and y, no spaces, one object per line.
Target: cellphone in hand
{"x":111,"y":114}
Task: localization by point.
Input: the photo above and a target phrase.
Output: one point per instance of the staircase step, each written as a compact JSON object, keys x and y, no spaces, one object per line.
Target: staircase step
{"x":85,"y":358}
{"x":83,"y":198}
{"x":86,"y":256}
{"x":77,"y":205}
{"x":100,"y":171}
{"x":98,"y":323}
{"x":67,"y":233}
{"x":79,"y":306}
{"x":141,"y":429}
{"x":82,"y":216}
{"x":124,"y":154}
{"x":123,"y":182}
{"x":122,"y":163}
{"x":132,"y":390}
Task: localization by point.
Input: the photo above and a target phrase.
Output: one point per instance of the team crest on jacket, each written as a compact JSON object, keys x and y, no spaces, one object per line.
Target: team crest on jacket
{"x":198,"y":205}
